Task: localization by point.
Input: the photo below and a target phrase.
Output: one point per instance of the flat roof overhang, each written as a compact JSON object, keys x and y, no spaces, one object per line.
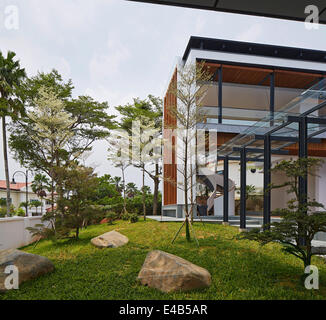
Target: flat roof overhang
{"x":289,"y":10}
{"x":254,"y":49}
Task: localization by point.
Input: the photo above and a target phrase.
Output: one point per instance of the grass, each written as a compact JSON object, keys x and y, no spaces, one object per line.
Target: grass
{"x":239,"y":269}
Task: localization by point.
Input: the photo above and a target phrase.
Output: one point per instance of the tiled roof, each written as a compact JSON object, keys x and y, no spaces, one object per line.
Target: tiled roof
{"x":17,"y":186}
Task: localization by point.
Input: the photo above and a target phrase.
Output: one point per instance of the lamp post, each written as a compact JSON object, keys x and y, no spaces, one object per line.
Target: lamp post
{"x":26,"y":179}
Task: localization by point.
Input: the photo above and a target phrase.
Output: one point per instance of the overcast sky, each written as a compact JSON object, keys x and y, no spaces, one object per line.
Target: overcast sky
{"x":115,"y":50}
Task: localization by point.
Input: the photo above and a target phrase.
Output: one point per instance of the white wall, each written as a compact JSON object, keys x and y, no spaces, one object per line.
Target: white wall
{"x":320,"y":184}
{"x":219,"y":205}
{"x":13,"y":233}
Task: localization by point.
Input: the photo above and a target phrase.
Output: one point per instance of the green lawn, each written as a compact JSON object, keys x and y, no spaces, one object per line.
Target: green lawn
{"x":239,"y":269}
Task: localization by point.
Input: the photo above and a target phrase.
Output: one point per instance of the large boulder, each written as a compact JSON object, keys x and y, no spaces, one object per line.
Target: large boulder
{"x":112,"y":239}
{"x":30,"y":266}
{"x":168,"y":273}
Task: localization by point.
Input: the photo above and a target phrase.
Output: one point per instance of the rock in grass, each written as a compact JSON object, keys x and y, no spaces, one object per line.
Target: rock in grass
{"x":168,"y":273}
{"x":30,"y":266}
{"x":112,"y":239}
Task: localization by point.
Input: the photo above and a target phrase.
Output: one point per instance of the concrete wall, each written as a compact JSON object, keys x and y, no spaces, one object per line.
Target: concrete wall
{"x":13,"y":233}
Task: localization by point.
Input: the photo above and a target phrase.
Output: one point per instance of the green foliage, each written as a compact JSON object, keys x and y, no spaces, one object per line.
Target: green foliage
{"x":106,"y":188}
{"x":40,"y":231}
{"x":23,"y":204}
{"x":20,"y":212}
{"x":11,"y":103}
{"x":300,"y":220}
{"x":40,"y":185}
{"x":150,"y":108}
{"x":12,"y":210}
{"x":3,"y":202}
{"x":133,"y":218}
{"x":131,"y":190}
{"x":75,"y":208}
{"x":111,"y":216}
{"x":125,"y":217}
{"x":11,"y":76}
{"x":3,"y":212}
{"x":108,"y":193}
{"x":148,"y":113}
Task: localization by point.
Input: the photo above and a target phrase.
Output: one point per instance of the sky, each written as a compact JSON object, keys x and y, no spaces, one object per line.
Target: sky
{"x":115,"y":50}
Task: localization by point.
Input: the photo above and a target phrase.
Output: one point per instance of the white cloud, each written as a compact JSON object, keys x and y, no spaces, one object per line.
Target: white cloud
{"x":107,"y":63}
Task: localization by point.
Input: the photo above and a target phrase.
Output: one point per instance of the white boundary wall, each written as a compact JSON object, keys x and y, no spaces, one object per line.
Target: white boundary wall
{"x":13,"y":233}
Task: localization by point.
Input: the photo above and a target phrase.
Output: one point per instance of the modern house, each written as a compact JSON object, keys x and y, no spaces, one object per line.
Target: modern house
{"x":18,"y":195}
{"x":263,"y":104}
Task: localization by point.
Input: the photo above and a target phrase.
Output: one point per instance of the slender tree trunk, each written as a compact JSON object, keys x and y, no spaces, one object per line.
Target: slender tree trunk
{"x":77,"y":233}
{"x":52,"y":194}
{"x":186,"y":190}
{"x":144,"y":195}
{"x":124,"y":190}
{"x":191,"y":196}
{"x":5,"y":155}
{"x":156,"y":186}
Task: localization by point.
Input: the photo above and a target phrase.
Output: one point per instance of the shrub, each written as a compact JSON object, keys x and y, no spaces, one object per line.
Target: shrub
{"x":20,"y":212}
{"x":111,"y":216}
{"x":125,"y":217}
{"x":133,"y":218}
{"x":3,"y":212}
{"x":12,"y":210}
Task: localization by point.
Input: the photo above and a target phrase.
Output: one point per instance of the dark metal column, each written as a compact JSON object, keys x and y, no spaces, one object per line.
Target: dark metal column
{"x":220,"y":94}
{"x":303,"y":153}
{"x":226,"y":190}
{"x":272,"y":98}
{"x":243,"y":184}
{"x":267,"y":180}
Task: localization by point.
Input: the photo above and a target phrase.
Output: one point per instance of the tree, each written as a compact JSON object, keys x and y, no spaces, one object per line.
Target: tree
{"x":117,"y":183}
{"x":79,"y":184}
{"x":145,"y":111}
{"x":11,"y":104}
{"x":45,"y":143}
{"x":131,"y":189}
{"x":144,"y":147}
{"x":51,"y":128}
{"x":35,"y":204}
{"x":301,"y":220}
{"x":119,"y":155}
{"x":106,"y":188}
{"x":40,"y":185}
{"x":190,"y":89}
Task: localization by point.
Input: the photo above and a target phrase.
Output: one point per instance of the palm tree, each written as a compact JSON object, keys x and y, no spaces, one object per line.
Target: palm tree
{"x":35,"y":204}
{"x":117,"y":182}
{"x":131,"y":189}
{"x":11,"y":105}
{"x":39,"y":185}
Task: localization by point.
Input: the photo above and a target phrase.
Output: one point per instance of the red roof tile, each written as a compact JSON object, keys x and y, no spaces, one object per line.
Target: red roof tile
{"x":17,"y":186}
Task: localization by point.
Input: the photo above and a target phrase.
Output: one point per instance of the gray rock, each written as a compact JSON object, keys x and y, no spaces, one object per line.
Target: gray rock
{"x":168,"y":273}
{"x":112,"y":239}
